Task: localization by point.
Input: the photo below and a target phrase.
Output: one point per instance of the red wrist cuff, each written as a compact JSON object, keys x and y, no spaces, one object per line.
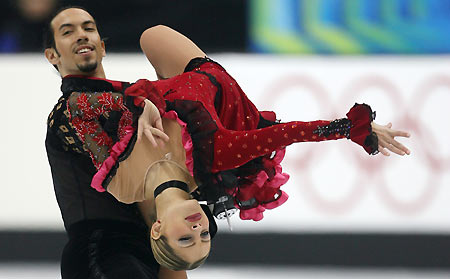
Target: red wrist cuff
{"x":361,"y":117}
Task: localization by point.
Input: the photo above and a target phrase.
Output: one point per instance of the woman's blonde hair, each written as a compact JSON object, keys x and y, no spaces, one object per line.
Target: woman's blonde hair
{"x":166,"y":256}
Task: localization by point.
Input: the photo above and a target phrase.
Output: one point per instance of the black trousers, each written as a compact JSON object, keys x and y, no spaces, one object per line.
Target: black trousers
{"x":105,"y":249}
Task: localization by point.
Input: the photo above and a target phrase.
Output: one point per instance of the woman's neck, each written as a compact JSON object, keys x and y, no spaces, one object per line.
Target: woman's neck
{"x":168,"y":197}
{"x":152,"y":208}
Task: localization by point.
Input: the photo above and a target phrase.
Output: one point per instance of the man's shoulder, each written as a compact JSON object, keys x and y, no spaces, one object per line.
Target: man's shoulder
{"x":60,"y":131}
{"x":54,"y":114}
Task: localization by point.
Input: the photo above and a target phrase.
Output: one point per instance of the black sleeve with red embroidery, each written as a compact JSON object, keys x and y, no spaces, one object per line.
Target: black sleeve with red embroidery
{"x":92,"y":114}
{"x":89,"y":113}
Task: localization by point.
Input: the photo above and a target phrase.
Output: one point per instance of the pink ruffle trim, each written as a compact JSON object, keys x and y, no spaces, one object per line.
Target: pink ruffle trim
{"x":264,"y":187}
{"x":117,"y":149}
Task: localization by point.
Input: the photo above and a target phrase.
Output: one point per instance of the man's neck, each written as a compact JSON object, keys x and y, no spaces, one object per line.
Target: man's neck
{"x":99,"y":72}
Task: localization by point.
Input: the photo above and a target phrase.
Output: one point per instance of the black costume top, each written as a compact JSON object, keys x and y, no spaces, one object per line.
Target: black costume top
{"x":72,"y":171}
{"x":105,"y":236}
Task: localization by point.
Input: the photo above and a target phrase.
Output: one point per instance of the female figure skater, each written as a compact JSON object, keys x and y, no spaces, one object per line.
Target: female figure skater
{"x":217,"y":135}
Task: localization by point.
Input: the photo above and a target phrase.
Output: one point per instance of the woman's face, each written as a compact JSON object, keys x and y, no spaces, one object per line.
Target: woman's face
{"x":186,"y":228}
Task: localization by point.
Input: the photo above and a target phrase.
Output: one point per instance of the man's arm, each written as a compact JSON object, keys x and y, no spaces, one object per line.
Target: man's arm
{"x":168,"y":51}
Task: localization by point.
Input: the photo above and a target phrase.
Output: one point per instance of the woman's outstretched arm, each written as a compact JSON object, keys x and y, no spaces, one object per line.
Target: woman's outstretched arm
{"x":168,"y":51}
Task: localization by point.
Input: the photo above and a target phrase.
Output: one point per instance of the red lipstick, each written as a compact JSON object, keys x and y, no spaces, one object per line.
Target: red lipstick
{"x":194,"y":217}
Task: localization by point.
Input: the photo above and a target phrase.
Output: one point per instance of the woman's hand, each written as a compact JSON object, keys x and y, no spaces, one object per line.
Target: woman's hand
{"x":150,"y":124}
{"x":386,"y":139}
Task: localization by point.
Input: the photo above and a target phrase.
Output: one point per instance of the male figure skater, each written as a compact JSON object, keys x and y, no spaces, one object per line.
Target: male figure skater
{"x":107,"y":239}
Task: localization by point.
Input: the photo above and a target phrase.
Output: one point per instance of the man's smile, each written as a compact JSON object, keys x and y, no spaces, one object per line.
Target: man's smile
{"x":84,"y":50}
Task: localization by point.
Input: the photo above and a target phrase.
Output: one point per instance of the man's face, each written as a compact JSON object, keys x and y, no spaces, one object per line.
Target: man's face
{"x":79,"y":49}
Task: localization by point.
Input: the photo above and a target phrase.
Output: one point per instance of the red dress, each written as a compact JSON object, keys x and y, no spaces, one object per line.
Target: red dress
{"x":232,"y":148}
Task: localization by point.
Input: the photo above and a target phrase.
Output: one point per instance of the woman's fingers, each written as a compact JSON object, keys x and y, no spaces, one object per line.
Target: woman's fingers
{"x":383,"y":151}
{"x":400,"y":147}
{"x":149,"y":135}
{"x":390,"y":139}
{"x":160,"y":134}
{"x":400,"y":134}
{"x":153,"y":134}
{"x":140,"y":130}
{"x":392,"y":146}
{"x":158,"y":124}
{"x":396,"y":150}
{"x":150,"y":124}
{"x":160,"y":128}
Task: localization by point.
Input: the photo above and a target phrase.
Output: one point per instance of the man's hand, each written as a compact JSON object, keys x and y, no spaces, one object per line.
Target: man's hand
{"x":150,"y":124}
{"x":386,"y":139}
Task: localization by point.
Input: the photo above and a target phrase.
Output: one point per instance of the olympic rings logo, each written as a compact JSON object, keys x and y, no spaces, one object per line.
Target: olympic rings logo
{"x":371,"y":170}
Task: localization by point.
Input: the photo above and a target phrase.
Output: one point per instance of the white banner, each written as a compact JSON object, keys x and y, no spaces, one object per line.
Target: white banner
{"x":334,"y":186}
